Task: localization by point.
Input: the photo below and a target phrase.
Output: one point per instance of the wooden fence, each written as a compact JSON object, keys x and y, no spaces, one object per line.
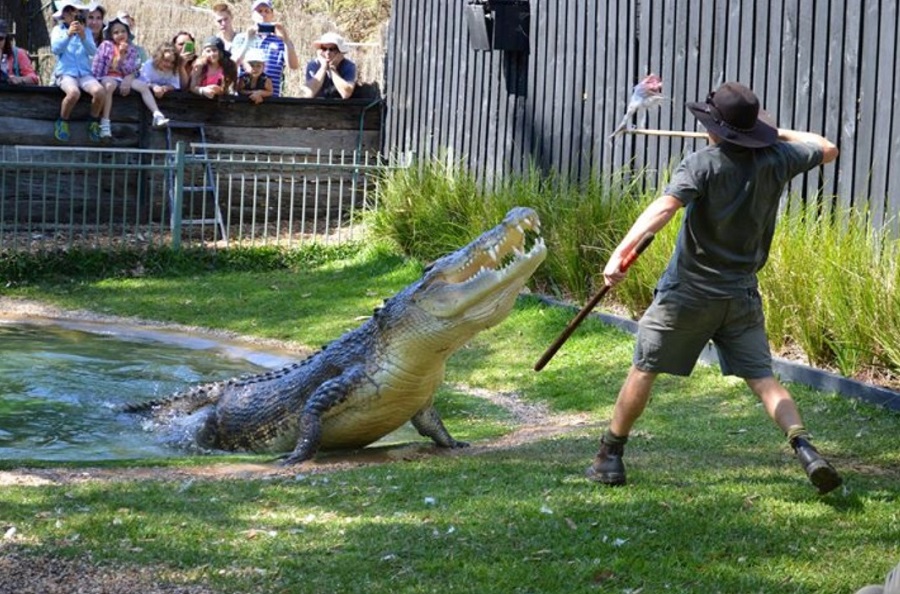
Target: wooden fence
{"x":829,"y":66}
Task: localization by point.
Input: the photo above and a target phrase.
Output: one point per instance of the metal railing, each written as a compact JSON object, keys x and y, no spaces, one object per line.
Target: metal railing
{"x":196,"y":194}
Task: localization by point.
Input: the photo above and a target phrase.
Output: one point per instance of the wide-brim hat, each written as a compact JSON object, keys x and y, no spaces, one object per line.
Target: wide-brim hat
{"x":332,"y":39}
{"x":732,"y":113}
{"x":259,"y":3}
{"x":64,"y":5}
{"x":107,"y":29}
{"x":96,"y":6}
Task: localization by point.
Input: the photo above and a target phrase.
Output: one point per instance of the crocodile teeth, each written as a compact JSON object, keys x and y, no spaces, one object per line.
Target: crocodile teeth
{"x":493,"y":253}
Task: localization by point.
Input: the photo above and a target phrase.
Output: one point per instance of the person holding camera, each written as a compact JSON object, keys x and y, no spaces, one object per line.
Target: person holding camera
{"x":15,"y":66}
{"x":74,"y":48}
{"x":331,"y":75}
{"x":187,"y":54}
{"x":272,"y":38}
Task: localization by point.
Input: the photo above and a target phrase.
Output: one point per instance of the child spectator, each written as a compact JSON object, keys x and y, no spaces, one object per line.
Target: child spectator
{"x":185,"y":44}
{"x":225,"y":23}
{"x":161,"y":71}
{"x":96,"y":20}
{"x":116,"y":65}
{"x":255,"y":85}
{"x":331,"y":75}
{"x":214,"y":73}
{"x":15,"y":67}
{"x":126,"y":18}
{"x":271,"y":37}
{"x":74,"y":50}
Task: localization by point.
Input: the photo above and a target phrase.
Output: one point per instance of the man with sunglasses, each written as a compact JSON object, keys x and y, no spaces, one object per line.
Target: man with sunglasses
{"x":330,"y":75}
{"x":730,"y":191}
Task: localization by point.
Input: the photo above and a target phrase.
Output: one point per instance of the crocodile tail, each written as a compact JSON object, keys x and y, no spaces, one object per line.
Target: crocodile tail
{"x":182,"y":402}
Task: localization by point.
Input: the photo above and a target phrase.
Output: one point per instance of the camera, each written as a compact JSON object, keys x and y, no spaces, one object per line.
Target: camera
{"x":79,"y":16}
{"x":265,"y":28}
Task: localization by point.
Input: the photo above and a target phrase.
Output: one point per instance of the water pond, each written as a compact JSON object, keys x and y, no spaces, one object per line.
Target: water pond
{"x":61,"y":383}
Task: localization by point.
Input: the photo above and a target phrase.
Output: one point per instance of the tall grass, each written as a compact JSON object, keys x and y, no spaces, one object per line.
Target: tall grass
{"x":830,"y":287}
{"x":430,"y":210}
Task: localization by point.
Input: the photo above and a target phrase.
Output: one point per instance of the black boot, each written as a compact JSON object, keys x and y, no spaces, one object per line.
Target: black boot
{"x":608,"y":467}
{"x":820,"y":472}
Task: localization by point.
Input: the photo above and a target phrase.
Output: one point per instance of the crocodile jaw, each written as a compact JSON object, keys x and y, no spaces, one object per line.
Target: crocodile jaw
{"x":482,"y":280}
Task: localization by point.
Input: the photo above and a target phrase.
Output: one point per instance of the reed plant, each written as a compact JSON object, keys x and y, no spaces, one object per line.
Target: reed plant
{"x":830,"y":286}
{"x":434,"y":208}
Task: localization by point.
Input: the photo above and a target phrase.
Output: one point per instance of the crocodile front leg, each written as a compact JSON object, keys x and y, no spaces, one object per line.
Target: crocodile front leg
{"x":330,"y":393}
{"x":429,"y":424}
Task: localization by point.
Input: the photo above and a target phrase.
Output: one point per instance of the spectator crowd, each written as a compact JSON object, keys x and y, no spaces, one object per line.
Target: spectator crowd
{"x":97,"y":53}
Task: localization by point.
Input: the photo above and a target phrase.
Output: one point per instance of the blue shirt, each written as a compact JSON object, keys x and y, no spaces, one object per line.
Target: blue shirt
{"x":74,"y":56}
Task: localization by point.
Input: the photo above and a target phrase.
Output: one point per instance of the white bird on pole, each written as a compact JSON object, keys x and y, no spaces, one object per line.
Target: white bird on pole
{"x":646,"y":94}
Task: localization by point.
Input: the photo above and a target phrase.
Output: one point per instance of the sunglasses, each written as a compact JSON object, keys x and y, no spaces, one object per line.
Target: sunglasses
{"x":330,"y":48}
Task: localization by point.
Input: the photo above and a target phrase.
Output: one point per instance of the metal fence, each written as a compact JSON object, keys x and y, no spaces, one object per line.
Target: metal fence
{"x":197,"y":194}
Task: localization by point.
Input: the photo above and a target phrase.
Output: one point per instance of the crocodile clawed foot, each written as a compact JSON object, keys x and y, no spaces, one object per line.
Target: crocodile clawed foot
{"x":458,"y":444}
{"x":291,"y":459}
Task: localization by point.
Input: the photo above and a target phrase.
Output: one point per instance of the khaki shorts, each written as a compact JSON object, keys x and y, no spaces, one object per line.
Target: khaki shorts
{"x":678,"y":325}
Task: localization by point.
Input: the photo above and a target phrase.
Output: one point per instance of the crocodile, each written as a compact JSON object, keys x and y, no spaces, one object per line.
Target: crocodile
{"x":374,"y":378}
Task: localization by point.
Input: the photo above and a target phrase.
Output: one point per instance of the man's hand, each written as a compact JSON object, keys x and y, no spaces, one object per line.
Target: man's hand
{"x":612,"y":273}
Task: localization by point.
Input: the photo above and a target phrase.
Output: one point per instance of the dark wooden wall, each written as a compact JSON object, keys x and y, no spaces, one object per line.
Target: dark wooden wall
{"x":28,"y":113}
{"x":830,"y":66}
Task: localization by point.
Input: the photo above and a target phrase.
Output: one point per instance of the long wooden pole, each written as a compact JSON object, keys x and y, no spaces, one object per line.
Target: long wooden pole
{"x":629,"y":259}
{"x":676,"y":133}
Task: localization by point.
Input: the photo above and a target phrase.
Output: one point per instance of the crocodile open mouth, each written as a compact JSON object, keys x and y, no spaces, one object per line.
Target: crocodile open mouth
{"x":516,"y":240}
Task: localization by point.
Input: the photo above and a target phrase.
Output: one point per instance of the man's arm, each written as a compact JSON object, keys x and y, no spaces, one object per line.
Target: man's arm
{"x":655,"y":216}
{"x":829,"y":150}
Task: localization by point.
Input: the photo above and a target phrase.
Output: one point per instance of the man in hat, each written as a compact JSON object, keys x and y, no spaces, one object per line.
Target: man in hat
{"x":271,"y":37}
{"x":730,"y":191}
{"x":15,"y":66}
{"x":331,"y":75}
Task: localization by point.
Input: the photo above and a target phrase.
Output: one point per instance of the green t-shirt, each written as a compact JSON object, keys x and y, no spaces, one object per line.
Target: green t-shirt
{"x":731,"y":197}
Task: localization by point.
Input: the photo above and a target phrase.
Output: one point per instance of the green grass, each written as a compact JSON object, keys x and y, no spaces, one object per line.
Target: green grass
{"x":715,"y":501}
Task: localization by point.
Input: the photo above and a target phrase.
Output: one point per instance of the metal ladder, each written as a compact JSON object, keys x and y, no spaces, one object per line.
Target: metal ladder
{"x":207,"y":187}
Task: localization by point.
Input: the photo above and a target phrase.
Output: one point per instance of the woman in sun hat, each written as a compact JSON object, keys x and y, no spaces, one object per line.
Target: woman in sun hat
{"x":15,"y":66}
{"x":95,"y":19}
{"x":330,"y":75}
{"x":74,"y":48}
{"x":730,"y":191}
